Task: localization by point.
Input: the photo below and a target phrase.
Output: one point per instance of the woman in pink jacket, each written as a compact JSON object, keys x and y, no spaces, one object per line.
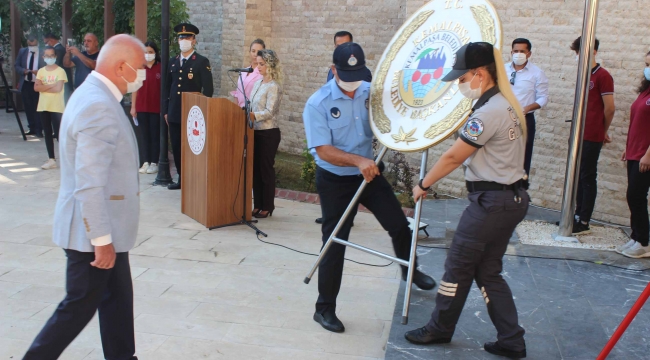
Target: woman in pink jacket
{"x":249,"y":78}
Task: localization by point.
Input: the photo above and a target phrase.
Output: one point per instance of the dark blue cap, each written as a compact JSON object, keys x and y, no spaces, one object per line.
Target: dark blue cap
{"x":471,"y":56}
{"x":350,"y":62}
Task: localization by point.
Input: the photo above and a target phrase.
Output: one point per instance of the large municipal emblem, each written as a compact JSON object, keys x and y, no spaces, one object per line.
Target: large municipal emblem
{"x":411,"y":107}
{"x":196,"y":130}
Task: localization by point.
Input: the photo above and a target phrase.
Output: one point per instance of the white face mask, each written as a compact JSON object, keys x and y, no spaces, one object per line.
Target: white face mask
{"x":348,"y":86}
{"x":33,"y":48}
{"x":467,"y":91}
{"x":141,"y":75}
{"x":519,"y":58}
{"x":50,"y":61}
{"x":150,"y":57}
{"x":186,"y":45}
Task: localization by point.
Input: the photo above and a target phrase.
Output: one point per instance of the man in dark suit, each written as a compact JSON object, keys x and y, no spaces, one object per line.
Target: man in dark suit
{"x":187,"y":72}
{"x":98,"y":207}
{"x":28,"y":61}
{"x":53,"y":41}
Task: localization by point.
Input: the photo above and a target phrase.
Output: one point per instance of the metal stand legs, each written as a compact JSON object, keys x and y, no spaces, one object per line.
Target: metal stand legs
{"x":410,"y":264}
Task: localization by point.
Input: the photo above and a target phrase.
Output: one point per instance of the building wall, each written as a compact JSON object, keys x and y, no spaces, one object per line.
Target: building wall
{"x":301,"y":31}
{"x":207,"y":16}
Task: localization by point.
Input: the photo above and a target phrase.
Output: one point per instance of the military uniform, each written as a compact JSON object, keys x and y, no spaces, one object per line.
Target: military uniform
{"x":191,"y":74}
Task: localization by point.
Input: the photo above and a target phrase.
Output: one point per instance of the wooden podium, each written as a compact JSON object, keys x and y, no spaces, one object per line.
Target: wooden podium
{"x":212,"y":173}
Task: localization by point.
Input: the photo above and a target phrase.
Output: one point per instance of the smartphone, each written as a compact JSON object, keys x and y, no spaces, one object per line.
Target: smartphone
{"x":69,"y":42}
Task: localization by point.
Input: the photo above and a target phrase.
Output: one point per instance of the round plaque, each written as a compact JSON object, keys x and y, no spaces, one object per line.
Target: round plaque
{"x":196,"y":130}
{"x":410,"y":107}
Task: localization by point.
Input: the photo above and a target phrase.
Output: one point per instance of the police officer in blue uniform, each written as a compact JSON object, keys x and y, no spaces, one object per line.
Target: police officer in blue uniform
{"x":492,"y":146}
{"x":186,"y":72}
{"x":339,"y":136}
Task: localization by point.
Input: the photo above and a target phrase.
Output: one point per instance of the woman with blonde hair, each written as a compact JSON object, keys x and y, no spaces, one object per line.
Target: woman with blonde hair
{"x":265,"y":107}
{"x":492,"y":145}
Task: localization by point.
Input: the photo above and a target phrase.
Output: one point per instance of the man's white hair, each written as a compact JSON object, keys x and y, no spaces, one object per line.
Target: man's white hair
{"x":118,"y":48}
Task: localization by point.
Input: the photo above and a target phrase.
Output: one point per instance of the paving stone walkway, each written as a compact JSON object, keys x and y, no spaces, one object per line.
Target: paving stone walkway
{"x":198,"y":294}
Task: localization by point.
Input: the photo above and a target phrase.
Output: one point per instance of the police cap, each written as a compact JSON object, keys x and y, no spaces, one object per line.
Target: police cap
{"x":471,"y":56}
{"x":350,"y":62}
{"x":186,"y":29}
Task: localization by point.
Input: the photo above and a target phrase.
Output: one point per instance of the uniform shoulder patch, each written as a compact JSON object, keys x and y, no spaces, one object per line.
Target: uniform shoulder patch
{"x":335,"y":112}
{"x":473,"y":129}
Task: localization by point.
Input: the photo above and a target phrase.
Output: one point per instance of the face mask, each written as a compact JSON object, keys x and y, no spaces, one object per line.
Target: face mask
{"x":646,"y":72}
{"x":519,"y":59}
{"x":141,"y":75}
{"x":50,"y":61}
{"x":467,"y":91}
{"x":33,"y":48}
{"x":186,"y":45}
{"x":348,"y":86}
{"x":150,"y":57}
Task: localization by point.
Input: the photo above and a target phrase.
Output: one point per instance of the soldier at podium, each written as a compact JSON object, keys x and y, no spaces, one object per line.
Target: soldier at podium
{"x":186,"y":72}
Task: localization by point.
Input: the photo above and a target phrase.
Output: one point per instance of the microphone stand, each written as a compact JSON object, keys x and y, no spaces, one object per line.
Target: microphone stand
{"x":248,"y":123}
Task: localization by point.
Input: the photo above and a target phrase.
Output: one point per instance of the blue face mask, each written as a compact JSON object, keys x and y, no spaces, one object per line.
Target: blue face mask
{"x":646,"y":72}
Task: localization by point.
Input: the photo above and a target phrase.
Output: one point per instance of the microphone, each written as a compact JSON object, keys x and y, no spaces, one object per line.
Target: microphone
{"x":244,"y":70}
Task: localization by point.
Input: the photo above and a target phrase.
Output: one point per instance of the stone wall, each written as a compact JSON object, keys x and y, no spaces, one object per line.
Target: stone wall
{"x":301,"y":32}
{"x":207,"y":16}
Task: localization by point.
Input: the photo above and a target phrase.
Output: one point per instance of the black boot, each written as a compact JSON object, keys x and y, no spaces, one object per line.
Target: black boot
{"x":420,"y":279}
{"x":424,"y":336}
{"x":496,"y":349}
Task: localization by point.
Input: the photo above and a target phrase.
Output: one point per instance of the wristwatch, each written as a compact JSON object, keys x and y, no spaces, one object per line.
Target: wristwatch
{"x":422,"y":186}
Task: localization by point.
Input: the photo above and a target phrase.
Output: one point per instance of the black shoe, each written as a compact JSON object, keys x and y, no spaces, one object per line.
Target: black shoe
{"x":424,"y":336}
{"x":496,"y":349}
{"x":39,"y":135}
{"x":580,"y":228}
{"x":174,"y":186}
{"x":421,"y":280}
{"x":30,"y":133}
{"x":329,"y":321}
{"x":319,"y":220}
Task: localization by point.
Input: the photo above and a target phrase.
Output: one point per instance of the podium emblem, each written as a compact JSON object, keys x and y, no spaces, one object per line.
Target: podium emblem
{"x":196,"y":130}
{"x":411,"y":108}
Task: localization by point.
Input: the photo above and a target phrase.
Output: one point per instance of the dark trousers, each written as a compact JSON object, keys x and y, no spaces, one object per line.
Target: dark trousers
{"x":638,"y":184}
{"x":335,"y":193}
{"x":90,"y":289}
{"x":149,"y":124}
{"x":476,"y":254}
{"x":175,"y":139}
{"x":51,"y":122}
{"x":30,"y":102}
{"x":587,"y":184}
{"x":530,"y":140}
{"x":266,"y":146}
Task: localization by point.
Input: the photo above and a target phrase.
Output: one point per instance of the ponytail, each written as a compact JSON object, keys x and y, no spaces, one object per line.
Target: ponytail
{"x":506,"y":89}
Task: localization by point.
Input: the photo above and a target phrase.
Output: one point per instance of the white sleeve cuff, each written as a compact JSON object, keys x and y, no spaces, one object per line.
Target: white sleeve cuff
{"x":102,"y":240}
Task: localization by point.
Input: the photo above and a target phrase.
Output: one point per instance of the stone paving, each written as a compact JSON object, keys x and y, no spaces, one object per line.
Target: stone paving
{"x":198,"y":294}
{"x":568,"y":300}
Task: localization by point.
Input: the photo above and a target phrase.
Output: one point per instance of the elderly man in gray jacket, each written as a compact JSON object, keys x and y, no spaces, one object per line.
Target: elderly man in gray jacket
{"x":97,"y":212}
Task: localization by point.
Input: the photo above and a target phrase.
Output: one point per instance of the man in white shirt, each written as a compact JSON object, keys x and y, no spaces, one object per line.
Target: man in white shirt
{"x":530,"y":85}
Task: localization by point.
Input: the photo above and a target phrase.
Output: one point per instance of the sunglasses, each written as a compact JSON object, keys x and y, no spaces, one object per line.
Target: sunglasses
{"x":513,"y":76}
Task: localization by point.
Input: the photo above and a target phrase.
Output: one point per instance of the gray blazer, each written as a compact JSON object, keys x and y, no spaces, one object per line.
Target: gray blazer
{"x":21,"y":64}
{"x":99,"y":162}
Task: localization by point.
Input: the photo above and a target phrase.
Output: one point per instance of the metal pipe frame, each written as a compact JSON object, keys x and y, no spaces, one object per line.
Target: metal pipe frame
{"x":409,"y":264}
{"x":578,"y":124}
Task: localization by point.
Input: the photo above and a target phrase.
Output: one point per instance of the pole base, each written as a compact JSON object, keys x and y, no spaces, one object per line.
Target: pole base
{"x":571,"y":239}
{"x":405,"y":320}
{"x":307,"y":280}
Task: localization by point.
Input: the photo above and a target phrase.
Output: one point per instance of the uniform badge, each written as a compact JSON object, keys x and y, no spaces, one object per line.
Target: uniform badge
{"x":648,"y":102}
{"x":193,"y":57}
{"x":591,"y":85}
{"x":335,"y":112}
{"x":473,"y":129}
{"x":367,"y":103}
{"x":352,"y":61}
{"x":190,"y":76}
{"x":208,"y":68}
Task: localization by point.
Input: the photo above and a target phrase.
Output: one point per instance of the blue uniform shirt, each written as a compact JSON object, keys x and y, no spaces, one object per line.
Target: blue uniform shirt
{"x":333,"y":118}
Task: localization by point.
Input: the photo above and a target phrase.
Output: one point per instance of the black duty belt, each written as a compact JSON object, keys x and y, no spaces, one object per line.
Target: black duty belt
{"x":473,"y":186}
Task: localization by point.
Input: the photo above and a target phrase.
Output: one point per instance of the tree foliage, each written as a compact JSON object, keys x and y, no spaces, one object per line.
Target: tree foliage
{"x":42,"y":16}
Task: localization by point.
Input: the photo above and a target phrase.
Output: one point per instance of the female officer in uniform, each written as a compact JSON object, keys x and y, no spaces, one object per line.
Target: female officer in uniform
{"x":492,"y":146}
